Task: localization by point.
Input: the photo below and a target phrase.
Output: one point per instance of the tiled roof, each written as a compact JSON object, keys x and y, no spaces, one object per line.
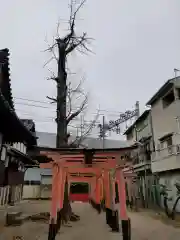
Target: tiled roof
{"x":11,"y":126}
{"x":5,"y":82}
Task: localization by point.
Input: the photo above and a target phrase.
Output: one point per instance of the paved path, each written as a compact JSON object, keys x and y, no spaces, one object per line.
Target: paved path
{"x":145,"y":227}
{"x":92,"y":226}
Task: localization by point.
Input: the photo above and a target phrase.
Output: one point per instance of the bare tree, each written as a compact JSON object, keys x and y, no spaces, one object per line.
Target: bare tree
{"x":60,"y":50}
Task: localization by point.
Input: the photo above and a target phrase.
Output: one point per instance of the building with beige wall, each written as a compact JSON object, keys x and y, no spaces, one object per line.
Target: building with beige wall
{"x":165,"y":112}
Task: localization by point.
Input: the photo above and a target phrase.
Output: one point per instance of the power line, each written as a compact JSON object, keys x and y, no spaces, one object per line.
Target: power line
{"x":45,"y":107}
{"x":52,"y":119}
{"x":31,"y":100}
{"x":48,"y":103}
{"x":32,"y":105}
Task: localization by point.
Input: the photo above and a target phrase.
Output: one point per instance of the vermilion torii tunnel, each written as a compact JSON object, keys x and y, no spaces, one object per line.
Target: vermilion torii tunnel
{"x":102,"y":170}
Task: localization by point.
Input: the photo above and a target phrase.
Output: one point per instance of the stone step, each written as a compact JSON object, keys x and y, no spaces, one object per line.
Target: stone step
{"x":11,"y":218}
{"x":23,"y":217}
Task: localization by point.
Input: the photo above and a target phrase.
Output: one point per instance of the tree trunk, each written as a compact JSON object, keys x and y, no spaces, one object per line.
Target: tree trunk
{"x":61,"y":140}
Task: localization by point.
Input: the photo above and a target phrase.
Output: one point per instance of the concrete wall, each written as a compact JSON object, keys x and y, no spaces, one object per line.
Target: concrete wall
{"x":144,"y":128}
{"x":164,"y":122}
{"x":165,"y":160}
{"x":164,"y":119}
{"x":35,"y":174}
{"x":31,"y":192}
{"x":36,"y":191}
{"x":169,"y":179}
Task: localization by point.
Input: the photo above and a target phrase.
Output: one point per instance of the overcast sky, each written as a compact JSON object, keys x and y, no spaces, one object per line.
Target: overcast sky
{"x":136,"y":49}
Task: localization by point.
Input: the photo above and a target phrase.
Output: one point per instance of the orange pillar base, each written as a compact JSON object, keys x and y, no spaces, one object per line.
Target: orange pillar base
{"x":126,"y":229}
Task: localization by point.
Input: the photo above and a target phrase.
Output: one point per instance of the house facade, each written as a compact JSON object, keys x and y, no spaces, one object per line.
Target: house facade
{"x":15,"y":138}
{"x":140,"y":133}
{"x":165,"y":111}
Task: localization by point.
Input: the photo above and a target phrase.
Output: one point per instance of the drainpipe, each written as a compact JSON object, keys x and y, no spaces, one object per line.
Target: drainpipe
{"x":176,"y":99}
{"x":137,"y":109}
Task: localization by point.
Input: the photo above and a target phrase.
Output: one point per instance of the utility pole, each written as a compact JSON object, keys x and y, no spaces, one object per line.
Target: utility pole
{"x":115,"y":125}
{"x":82,"y":121}
{"x":137,"y":109}
{"x":104,"y":132}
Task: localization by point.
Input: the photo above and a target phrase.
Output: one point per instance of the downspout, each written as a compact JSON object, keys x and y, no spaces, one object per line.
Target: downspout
{"x":152,"y":130}
{"x":152,"y":133}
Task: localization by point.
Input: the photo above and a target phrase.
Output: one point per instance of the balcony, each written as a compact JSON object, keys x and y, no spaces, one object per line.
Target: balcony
{"x":141,"y":161}
{"x":166,"y":159}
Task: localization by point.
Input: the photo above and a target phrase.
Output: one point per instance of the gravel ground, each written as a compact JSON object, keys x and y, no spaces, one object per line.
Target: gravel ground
{"x":91,"y":226}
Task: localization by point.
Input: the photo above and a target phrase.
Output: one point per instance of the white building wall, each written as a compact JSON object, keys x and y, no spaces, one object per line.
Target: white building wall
{"x":144,"y":128}
{"x":169,"y":180}
{"x":164,"y":122}
{"x":20,"y":147}
{"x":34,"y":174}
{"x":166,"y":160}
{"x":31,"y":191}
{"x":164,"y":119}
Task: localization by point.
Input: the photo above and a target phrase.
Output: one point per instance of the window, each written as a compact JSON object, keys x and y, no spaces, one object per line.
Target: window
{"x":168,"y":99}
{"x":162,"y":145}
{"x":169,"y":141}
{"x":166,"y":141}
{"x":178,"y":92}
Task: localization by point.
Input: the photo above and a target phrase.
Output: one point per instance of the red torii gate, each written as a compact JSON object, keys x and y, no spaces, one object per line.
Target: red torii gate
{"x":105,"y":166}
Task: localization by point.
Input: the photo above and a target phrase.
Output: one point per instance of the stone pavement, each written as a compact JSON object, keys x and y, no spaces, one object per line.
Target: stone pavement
{"x":145,"y":227}
{"x":92,"y":226}
{"x":11,"y":209}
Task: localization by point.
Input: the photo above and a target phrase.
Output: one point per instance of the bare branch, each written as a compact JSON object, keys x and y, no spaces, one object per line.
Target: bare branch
{"x":78,"y":141}
{"x":78,"y":90}
{"x":52,"y":99}
{"x":69,"y":99}
{"x":77,"y":42}
{"x":75,"y":114}
{"x":53,"y":78}
{"x":48,"y":61}
{"x":51,"y":49}
{"x":72,"y":19}
{"x":90,"y":127}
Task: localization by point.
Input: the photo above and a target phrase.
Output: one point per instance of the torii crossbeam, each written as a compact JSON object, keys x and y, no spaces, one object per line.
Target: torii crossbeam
{"x":104,"y":169}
